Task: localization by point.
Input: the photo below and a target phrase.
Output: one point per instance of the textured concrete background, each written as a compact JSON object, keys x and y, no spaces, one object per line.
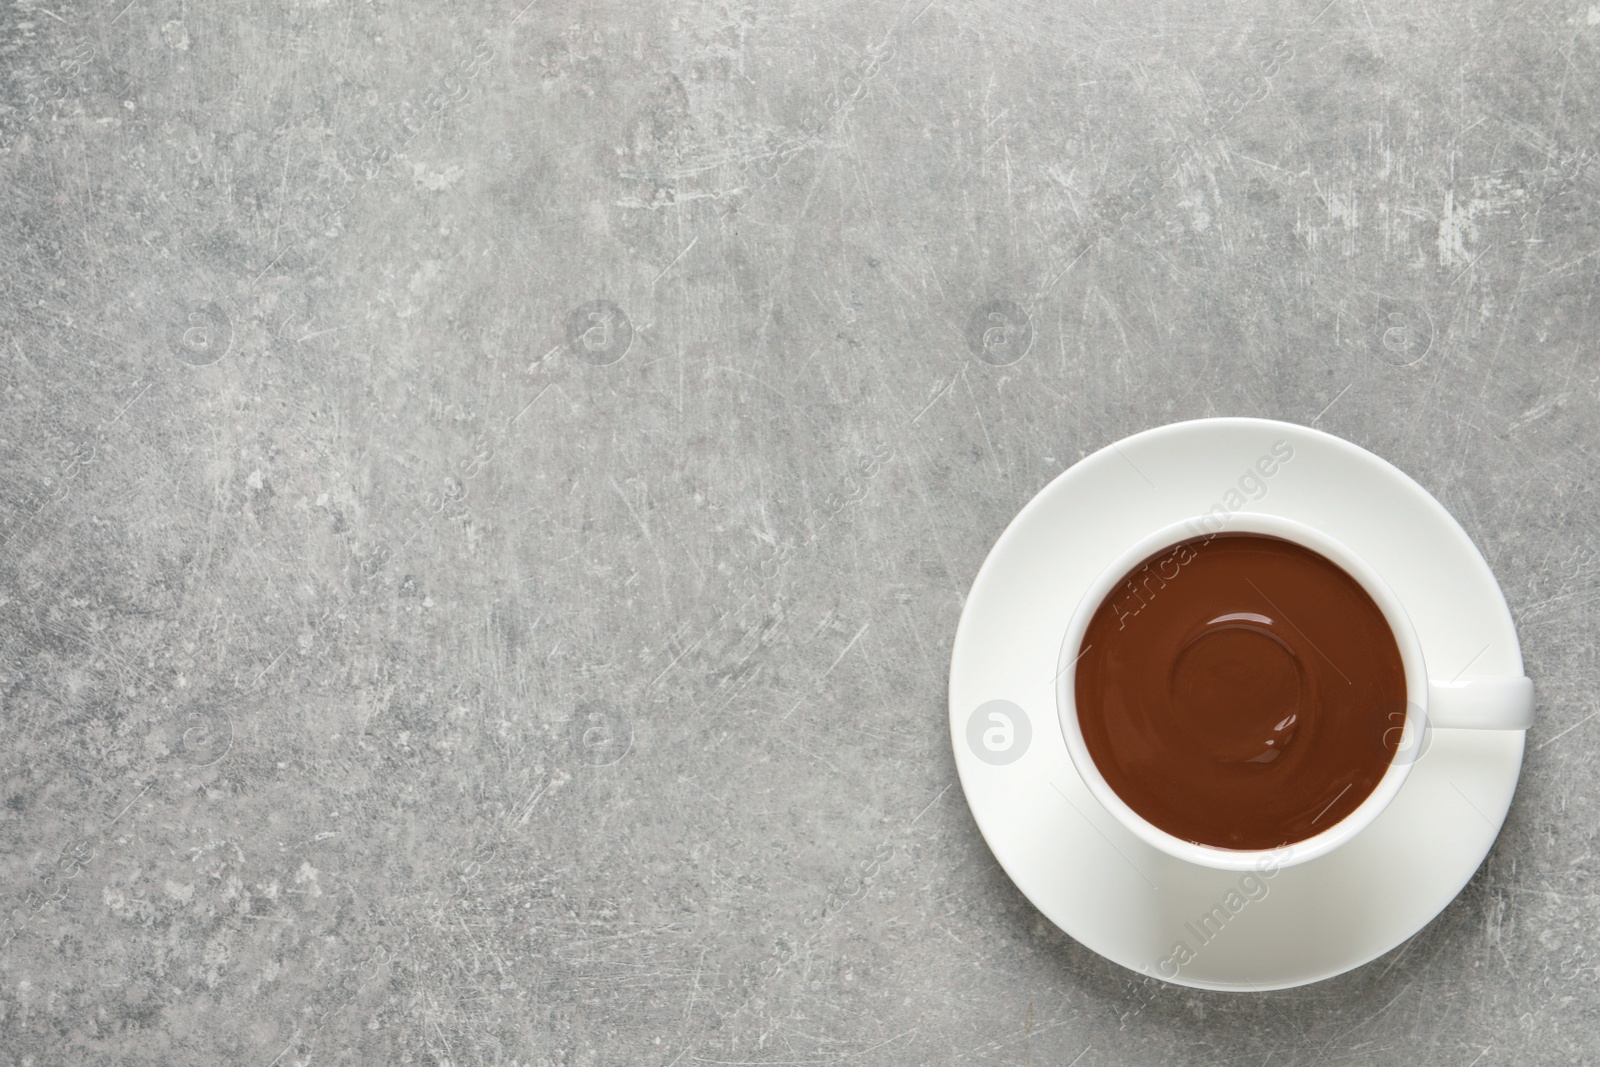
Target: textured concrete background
{"x":488,"y":491}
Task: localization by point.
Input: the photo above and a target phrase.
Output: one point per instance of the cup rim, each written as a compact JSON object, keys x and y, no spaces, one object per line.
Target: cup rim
{"x":1307,"y":536}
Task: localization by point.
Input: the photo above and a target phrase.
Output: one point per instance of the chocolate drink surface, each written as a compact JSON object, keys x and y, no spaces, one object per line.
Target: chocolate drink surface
{"x":1240,"y":691}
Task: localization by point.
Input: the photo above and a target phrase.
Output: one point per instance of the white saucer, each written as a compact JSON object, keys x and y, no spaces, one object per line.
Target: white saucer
{"x":1094,"y":879}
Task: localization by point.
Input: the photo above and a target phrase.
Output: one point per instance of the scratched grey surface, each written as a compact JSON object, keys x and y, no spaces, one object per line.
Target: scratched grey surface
{"x":488,"y":491}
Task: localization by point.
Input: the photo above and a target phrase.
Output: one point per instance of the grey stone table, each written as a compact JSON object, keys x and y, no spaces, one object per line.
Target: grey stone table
{"x":488,"y":491}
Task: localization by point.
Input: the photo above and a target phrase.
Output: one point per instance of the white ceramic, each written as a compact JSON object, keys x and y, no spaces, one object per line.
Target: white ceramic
{"x":1468,"y":702}
{"x":1274,"y":926}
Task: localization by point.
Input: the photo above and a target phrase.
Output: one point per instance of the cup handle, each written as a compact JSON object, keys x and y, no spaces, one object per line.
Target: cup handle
{"x":1481,"y":703}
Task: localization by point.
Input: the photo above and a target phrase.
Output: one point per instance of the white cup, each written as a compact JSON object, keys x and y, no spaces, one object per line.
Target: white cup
{"x":1465,"y":703}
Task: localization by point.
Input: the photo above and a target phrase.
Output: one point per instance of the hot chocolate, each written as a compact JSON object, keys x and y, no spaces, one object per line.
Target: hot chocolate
{"x":1240,"y":691}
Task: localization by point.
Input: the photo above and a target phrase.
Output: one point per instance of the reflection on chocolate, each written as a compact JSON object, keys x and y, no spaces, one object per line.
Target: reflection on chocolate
{"x":1238,"y":690}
